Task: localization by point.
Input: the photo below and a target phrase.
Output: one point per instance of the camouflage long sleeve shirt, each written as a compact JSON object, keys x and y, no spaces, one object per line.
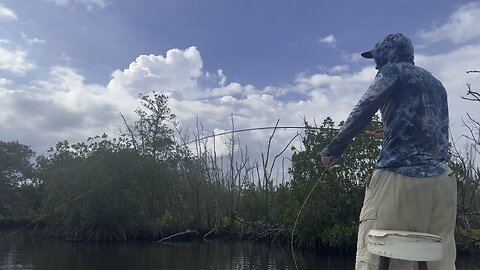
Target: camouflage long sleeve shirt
{"x":414,"y":112}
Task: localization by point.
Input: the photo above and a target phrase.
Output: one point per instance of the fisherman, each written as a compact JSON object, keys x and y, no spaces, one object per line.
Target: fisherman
{"x":411,"y":189}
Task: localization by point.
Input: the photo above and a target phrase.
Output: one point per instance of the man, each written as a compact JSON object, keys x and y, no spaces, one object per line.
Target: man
{"x":411,"y":188}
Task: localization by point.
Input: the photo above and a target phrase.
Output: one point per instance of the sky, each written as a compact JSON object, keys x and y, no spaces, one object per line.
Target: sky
{"x":69,"y":67}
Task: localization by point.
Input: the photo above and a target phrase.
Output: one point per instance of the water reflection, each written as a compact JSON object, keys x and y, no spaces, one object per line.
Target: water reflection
{"x":21,"y":251}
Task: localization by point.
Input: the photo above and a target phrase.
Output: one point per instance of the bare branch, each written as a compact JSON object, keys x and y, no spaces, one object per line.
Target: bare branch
{"x":132,"y":135}
{"x":474,"y":130}
{"x":178,"y":235}
{"x":268,"y":150}
{"x":281,"y":153}
{"x":475,"y":95}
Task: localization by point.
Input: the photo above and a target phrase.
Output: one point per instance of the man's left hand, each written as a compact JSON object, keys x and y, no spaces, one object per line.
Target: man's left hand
{"x":327,"y":162}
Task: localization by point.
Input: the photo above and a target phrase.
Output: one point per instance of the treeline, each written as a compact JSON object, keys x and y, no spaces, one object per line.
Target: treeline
{"x":148,"y":184}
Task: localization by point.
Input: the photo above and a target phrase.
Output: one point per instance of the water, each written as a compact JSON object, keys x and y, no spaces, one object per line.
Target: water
{"x":21,"y":251}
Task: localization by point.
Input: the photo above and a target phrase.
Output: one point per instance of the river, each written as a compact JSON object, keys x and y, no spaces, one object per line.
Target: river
{"x":22,"y":251}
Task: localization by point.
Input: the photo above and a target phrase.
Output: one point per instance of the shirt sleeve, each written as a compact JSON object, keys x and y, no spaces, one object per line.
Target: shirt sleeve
{"x":361,"y":115}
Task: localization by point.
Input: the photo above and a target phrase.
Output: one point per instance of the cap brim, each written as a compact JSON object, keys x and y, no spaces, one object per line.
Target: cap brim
{"x":367,"y":54}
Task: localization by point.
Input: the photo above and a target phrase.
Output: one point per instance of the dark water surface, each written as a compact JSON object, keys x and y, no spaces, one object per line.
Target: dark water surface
{"x":21,"y":251}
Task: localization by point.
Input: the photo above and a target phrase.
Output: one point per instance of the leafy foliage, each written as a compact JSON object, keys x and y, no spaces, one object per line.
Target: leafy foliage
{"x":104,"y":185}
{"x":150,"y":135}
{"x":146,"y":184}
{"x":18,"y":183}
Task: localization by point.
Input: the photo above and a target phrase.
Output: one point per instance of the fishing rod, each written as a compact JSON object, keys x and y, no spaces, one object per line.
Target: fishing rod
{"x":257,"y":128}
{"x":374,"y":133}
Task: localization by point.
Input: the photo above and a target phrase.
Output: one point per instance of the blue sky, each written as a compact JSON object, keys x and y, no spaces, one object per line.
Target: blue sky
{"x":68,"y":67}
{"x":264,"y":42}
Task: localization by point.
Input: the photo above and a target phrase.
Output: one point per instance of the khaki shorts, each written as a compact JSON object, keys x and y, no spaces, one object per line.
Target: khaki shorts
{"x":398,"y":202}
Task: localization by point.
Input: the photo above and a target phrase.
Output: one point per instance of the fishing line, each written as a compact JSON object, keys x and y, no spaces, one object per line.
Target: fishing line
{"x":71,"y":201}
{"x":300,"y":212}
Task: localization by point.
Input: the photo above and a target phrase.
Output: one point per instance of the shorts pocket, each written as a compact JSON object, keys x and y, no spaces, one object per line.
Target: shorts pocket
{"x":368,"y":222}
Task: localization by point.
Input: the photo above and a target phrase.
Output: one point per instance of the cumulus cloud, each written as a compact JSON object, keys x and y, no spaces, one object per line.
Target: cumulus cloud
{"x":461,"y":26}
{"x":329,"y":40}
{"x":177,"y":72}
{"x":63,"y":106}
{"x":89,"y":4}
{"x":5,"y":82}
{"x":15,"y":61}
{"x":227,"y":91}
{"x":60,"y":2}
{"x":7,"y":14}
{"x":222,"y":77}
{"x":31,"y":41}
{"x":339,"y":69}
{"x":450,"y":68}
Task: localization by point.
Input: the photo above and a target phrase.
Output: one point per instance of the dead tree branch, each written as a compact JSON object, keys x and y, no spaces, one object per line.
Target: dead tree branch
{"x":187,"y":232}
{"x":475,"y":96}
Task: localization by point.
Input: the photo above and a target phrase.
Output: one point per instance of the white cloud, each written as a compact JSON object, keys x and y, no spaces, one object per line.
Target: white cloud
{"x":461,"y":26}
{"x":329,"y":40}
{"x":450,"y":68}
{"x":339,"y":69}
{"x":60,"y":2}
{"x":230,"y":89}
{"x":223,"y":78}
{"x":15,"y":61}
{"x":180,"y":72}
{"x":61,"y":107}
{"x":4,"y":82}
{"x":64,"y":106}
{"x":31,"y":41}
{"x":353,"y":57}
{"x":94,"y":3}
{"x":7,"y":14}
{"x":89,"y":4}
{"x":66,"y":58}
{"x":177,"y":73}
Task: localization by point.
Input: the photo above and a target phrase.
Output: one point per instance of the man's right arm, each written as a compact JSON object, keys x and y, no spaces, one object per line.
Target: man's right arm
{"x":362,"y":114}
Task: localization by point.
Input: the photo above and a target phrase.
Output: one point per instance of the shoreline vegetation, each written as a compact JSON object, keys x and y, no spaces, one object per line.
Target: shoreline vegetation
{"x":148,"y":184}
